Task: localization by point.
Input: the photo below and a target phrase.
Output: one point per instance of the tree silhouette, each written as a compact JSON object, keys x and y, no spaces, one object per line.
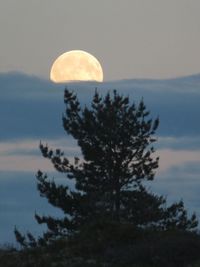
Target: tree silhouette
{"x":115,"y":138}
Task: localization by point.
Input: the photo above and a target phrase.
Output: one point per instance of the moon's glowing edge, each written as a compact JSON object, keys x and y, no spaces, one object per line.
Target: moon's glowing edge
{"x":83,"y":67}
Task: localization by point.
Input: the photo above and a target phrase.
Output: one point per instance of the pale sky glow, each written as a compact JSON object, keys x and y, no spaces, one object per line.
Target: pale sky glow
{"x":19,"y":156}
{"x":130,"y":38}
{"x":175,"y":158}
{"x":26,"y":156}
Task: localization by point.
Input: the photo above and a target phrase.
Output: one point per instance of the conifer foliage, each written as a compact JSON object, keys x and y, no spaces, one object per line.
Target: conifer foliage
{"x":115,"y":138}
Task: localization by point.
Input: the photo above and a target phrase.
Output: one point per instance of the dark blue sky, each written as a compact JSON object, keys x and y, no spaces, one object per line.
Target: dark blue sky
{"x":31,"y":110}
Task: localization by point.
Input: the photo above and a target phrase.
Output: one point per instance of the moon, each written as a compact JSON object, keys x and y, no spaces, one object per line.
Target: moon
{"x":76,"y":65}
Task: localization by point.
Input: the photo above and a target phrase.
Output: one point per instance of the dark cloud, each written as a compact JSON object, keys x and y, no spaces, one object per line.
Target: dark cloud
{"x":32,"y":108}
{"x":188,"y":170}
{"x":19,"y":200}
{"x":176,"y":188}
{"x":179,"y":143}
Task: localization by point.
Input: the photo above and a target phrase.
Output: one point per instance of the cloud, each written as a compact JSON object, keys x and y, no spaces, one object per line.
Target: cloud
{"x":189,"y":169}
{"x":32,"y":108}
{"x":25,"y":155}
{"x":178,"y":143}
{"x":176,"y":158}
{"x":19,"y":200}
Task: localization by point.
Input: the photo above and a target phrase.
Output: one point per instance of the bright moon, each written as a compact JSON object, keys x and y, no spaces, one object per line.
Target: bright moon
{"x":76,"y":65}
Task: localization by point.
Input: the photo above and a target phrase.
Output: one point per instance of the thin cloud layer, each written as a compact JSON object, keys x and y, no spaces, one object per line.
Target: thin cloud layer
{"x":32,"y":108}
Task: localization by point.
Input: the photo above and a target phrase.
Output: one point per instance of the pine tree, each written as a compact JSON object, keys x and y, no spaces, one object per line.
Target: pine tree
{"x":115,"y":138}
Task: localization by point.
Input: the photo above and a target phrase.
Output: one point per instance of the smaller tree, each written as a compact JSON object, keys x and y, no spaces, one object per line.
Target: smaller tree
{"x":115,"y":138}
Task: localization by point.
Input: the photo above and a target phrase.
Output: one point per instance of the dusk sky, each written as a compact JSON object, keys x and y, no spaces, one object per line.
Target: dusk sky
{"x":131,"y":38}
{"x":142,"y":45}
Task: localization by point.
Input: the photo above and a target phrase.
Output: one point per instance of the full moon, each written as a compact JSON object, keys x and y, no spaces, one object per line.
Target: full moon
{"x":76,"y":65}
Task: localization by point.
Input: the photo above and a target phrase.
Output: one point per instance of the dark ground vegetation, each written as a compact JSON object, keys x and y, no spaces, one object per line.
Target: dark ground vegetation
{"x":112,"y":247}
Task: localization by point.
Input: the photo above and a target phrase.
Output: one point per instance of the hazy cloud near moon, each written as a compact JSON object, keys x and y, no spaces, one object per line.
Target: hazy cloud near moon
{"x":131,"y":39}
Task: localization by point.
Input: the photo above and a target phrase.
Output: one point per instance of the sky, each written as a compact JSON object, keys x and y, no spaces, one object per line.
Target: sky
{"x":31,"y":111}
{"x":130,"y":38}
{"x":143,"y":46}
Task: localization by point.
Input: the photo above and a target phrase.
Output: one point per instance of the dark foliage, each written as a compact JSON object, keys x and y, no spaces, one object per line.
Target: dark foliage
{"x":126,"y":245}
{"x":115,"y":138}
{"x":112,"y":245}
